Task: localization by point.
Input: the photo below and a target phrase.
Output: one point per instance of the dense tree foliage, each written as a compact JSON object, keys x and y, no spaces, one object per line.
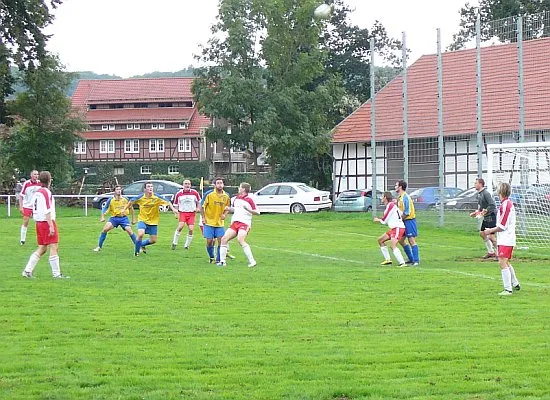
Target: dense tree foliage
{"x":44,"y":126}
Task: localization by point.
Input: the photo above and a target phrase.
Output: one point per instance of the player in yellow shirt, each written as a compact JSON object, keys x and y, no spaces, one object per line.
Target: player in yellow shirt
{"x":212,"y":212}
{"x":149,"y":216}
{"x":117,"y":207}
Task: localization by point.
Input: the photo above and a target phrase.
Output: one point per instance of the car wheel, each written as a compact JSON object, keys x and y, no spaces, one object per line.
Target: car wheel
{"x":297,"y":208}
{"x":102,"y":204}
{"x":369,"y":209}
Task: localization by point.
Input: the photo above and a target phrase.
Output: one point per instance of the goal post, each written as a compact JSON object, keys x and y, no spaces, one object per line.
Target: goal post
{"x":526,"y":167}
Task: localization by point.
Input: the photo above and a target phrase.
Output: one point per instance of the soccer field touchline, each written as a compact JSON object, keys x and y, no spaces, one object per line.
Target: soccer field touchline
{"x":468,"y":274}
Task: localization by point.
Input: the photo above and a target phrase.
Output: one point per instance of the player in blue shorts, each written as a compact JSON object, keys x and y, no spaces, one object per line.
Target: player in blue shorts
{"x":405,"y":204}
{"x":117,"y":207}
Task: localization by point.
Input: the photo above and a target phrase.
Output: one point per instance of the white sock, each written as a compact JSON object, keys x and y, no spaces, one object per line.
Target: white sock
{"x":398,"y":256}
{"x":176,"y":237}
{"x":489,"y":245}
{"x":385,"y":252}
{"x":515,"y":281}
{"x":54,"y":264}
{"x":188,"y":240}
{"x":23,"y":233}
{"x":223,"y":253}
{"x":506,"y":279}
{"x":33,"y":260}
{"x":248,"y":253}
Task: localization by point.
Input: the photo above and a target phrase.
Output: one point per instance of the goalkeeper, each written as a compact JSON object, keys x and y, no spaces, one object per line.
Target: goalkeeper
{"x":486,"y":209}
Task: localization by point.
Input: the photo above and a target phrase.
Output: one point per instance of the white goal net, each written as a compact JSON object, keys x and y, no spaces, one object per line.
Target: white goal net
{"x":526,"y":167}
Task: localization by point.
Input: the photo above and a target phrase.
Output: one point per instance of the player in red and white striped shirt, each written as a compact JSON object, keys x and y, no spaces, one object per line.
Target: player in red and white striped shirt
{"x":25,"y":203}
{"x":46,"y":228}
{"x":506,"y":238}
{"x":392,"y":218}
{"x":243,"y":208}
{"x":188,"y":202}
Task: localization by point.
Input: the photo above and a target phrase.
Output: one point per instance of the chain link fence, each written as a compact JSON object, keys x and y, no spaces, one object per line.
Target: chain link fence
{"x":432,"y":124}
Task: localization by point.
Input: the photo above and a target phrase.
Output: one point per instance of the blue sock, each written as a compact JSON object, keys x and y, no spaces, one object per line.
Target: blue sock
{"x":133,"y":237}
{"x":210,"y":250}
{"x":217,"y":253}
{"x":145,"y":242}
{"x":102,"y":238}
{"x":138,"y":246}
{"x":415,"y":253}
{"x":408,"y":252}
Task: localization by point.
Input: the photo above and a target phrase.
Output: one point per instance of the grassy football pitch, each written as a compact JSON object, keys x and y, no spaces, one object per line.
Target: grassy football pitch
{"x":318,"y":318}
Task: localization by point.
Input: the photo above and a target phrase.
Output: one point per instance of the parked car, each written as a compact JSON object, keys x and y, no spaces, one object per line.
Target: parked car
{"x":530,"y":199}
{"x":465,"y":200}
{"x":165,"y":189}
{"x":427,"y":197}
{"x":356,"y":200}
{"x":291,"y":197}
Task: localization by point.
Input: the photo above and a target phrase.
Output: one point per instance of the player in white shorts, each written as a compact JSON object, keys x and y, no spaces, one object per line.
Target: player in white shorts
{"x":392,"y":218}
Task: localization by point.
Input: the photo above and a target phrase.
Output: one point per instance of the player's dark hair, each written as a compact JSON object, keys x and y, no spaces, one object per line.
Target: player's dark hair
{"x":402,"y":184}
{"x":147,"y":183}
{"x":388,"y":196}
{"x":480,"y":180}
{"x":218,"y":179}
{"x":118,"y":186}
{"x":45,"y":178}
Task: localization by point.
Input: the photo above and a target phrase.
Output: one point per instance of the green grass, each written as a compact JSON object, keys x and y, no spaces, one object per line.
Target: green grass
{"x":317,"y":319}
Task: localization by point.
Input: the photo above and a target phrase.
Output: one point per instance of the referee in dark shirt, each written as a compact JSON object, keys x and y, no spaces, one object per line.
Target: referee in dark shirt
{"x":486,"y":209}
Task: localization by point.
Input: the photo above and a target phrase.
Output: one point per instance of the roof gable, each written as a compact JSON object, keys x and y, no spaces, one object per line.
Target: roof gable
{"x":500,"y":97}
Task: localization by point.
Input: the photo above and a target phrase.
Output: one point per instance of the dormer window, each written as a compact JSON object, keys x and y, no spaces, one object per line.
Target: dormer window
{"x":183,"y":125}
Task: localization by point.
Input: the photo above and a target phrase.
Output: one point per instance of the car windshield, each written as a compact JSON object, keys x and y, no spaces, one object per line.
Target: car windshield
{"x":467,"y":192}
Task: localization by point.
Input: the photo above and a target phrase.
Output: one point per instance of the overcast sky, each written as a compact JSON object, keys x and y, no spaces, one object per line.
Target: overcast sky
{"x":129,"y":37}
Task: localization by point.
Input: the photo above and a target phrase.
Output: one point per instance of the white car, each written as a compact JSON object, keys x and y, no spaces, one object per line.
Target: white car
{"x":291,"y":197}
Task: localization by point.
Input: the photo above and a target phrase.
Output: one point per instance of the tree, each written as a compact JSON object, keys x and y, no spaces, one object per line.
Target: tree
{"x":535,"y":22}
{"x":44,"y":129}
{"x":349,"y":51}
{"x":21,"y":38}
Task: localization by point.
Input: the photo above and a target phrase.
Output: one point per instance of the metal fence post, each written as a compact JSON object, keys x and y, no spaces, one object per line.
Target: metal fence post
{"x":405,"y":112}
{"x":521,"y":81}
{"x":440,"y":144}
{"x":373,"y":127}
{"x":479,"y":100}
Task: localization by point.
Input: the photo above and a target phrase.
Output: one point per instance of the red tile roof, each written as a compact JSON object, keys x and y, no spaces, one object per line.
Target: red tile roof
{"x":500,"y":99}
{"x":143,"y":91}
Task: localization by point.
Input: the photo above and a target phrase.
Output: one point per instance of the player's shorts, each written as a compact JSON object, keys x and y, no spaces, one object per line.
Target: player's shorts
{"x":149,"y":229}
{"x":239,"y":226}
{"x":212,"y":232}
{"x":489,"y":221}
{"x":410,"y":228}
{"x":505,"y":251}
{"x":43,"y":233}
{"x":187,"y":217}
{"x":27,"y":212}
{"x":396,"y":233}
{"x":123,"y":222}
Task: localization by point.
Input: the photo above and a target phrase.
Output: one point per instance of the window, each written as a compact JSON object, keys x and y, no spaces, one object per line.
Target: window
{"x":184,"y":145}
{"x":104,"y":127}
{"x":154,"y":126}
{"x":183,"y":125}
{"x":129,"y":126}
{"x":173,"y":170}
{"x":156,"y":145}
{"x":131,"y":146}
{"x":79,"y":147}
{"x":146,"y":170}
{"x":162,"y":126}
{"x":118,"y":171}
{"x":137,"y":126}
{"x":106,"y":146}
{"x":111,"y":127}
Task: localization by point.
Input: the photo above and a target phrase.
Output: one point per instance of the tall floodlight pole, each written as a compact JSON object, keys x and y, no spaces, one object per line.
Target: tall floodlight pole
{"x":373,"y":128}
{"x":405,"y":112}
{"x":440,"y":143}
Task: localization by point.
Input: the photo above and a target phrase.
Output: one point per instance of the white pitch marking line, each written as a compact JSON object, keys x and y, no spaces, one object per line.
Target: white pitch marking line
{"x":491,"y":278}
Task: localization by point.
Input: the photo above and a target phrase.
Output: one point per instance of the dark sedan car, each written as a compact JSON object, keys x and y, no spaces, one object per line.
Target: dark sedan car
{"x":165,"y":189}
{"x":466,"y":200}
